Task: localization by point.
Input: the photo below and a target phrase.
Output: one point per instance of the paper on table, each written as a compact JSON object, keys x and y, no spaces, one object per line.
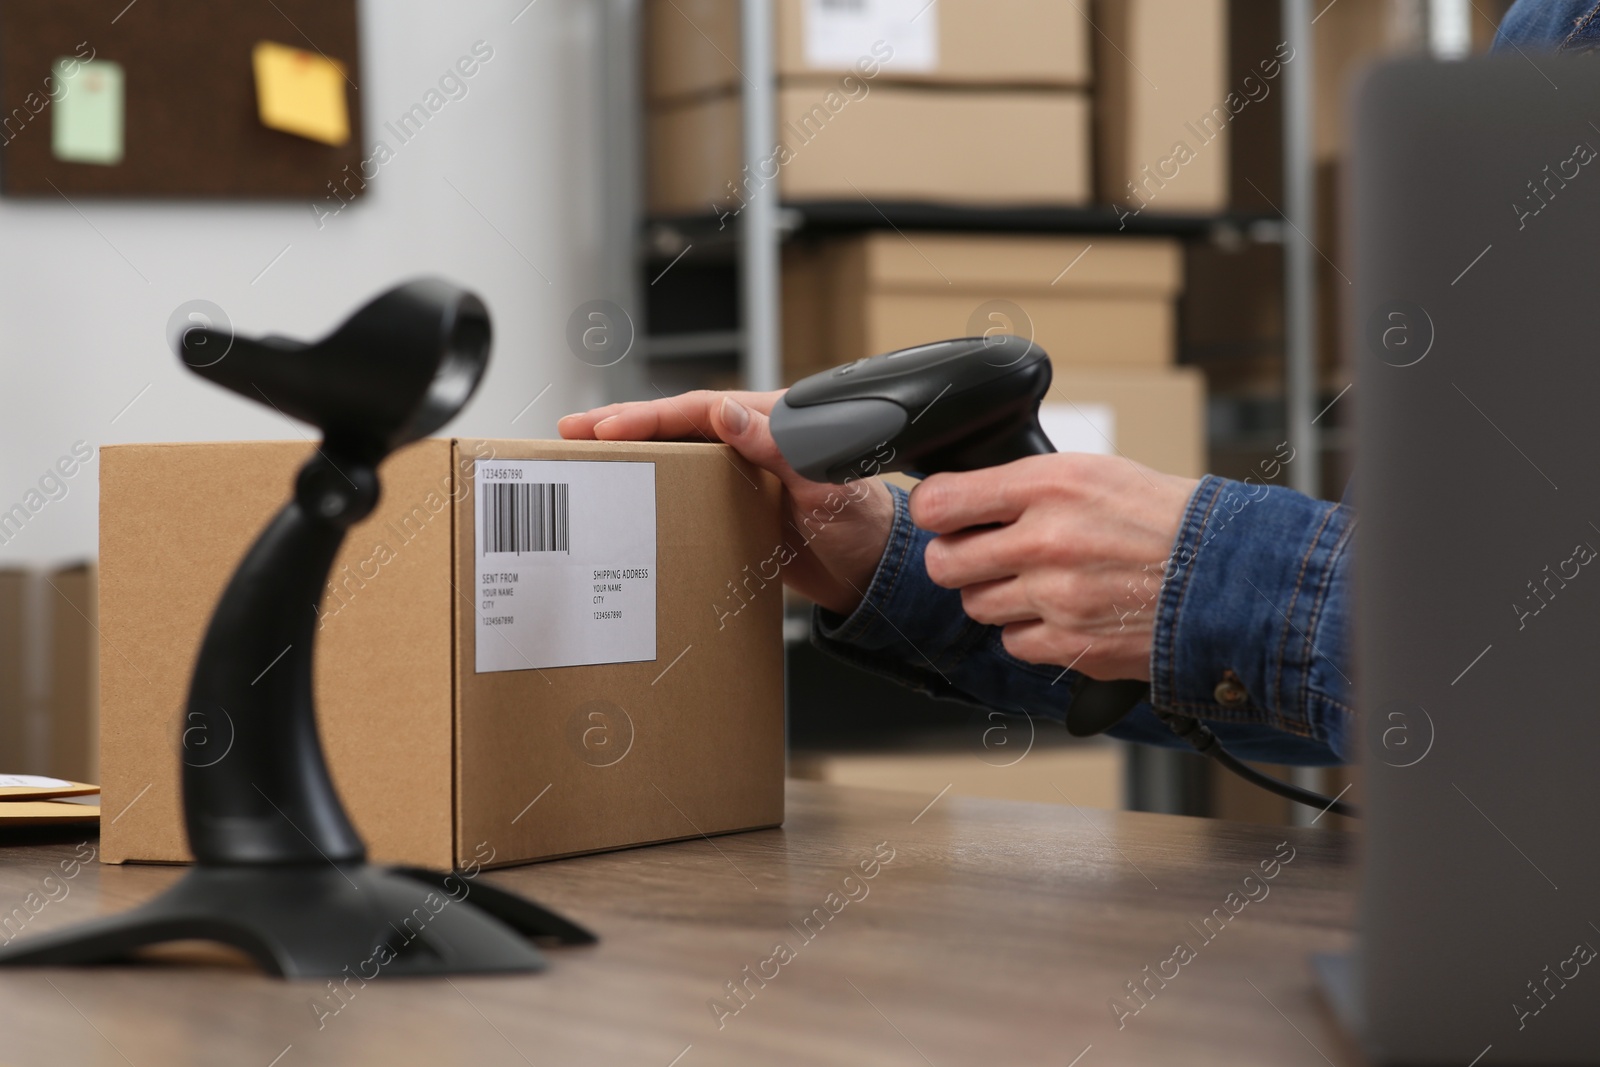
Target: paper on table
{"x":31,"y":781}
{"x":44,"y":812}
{"x":39,"y":787}
{"x":88,"y":115}
{"x":301,"y":92}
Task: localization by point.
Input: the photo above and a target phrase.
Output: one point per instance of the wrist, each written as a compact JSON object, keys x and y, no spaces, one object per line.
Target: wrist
{"x":851,"y":557}
{"x":860,"y":561}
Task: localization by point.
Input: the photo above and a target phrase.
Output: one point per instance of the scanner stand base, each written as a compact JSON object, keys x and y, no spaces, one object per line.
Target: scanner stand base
{"x":313,"y":921}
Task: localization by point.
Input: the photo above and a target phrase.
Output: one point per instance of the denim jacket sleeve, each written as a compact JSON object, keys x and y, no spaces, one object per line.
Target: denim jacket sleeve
{"x":1249,"y":629}
{"x":1549,"y":26}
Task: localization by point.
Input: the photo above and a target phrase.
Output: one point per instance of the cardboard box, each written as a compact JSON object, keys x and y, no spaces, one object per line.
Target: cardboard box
{"x":851,"y":140}
{"x":1347,"y":37}
{"x":693,"y":46}
{"x":1088,"y":775}
{"x":694,"y":163}
{"x":15,"y":707}
{"x":1255,"y":135}
{"x":1163,"y":105}
{"x":1102,"y":301}
{"x":432,"y":757}
{"x":1152,"y":416}
{"x":1232,"y":311}
{"x":74,"y":700}
{"x":1231,"y":316}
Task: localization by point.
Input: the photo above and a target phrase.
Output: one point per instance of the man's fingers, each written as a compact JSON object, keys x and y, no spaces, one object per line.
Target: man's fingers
{"x":686,"y":417}
{"x":680,"y":418}
{"x":947,"y":502}
{"x":735,"y":418}
{"x":642,"y":422}
{"x":966,"y":557}
{"x":957,"y":560}
{"x":579,"y":426}
{"x":1030,"y":641}
{"x":997,"y":603}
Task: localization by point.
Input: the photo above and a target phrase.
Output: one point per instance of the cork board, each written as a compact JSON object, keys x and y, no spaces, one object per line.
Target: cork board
{"x":191,"y":126}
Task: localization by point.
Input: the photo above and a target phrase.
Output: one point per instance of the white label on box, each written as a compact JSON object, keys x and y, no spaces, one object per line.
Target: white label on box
{"x":566,"y":560}
{"x":841,"y":33}
{"x":1080,"y":427}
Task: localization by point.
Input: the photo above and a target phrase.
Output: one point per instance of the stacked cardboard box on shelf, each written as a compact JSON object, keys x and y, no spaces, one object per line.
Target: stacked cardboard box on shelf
{"x":49,"y":674}
{"x":1089,"y":775}
{"x":1163,"y":105}
{"x":972,"y":102}
{"x":964,"y":101}
{"x":1089,"y":301}
{"x":693,"y":45}
{"x":1103,"y":307}
{"x":1233,"y":314}
{"x":74,"y":701}
{"x":15,"y":706}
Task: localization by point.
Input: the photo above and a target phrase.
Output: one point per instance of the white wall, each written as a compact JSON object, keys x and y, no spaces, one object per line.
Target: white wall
{"x":86,"y":288}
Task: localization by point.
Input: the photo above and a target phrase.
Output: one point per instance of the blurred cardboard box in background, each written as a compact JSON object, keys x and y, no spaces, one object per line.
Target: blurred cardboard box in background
{"x":1100,"y":301}
{"x":1163,"y":104}
{"x":15,"y":706}
{"x":1152,"y":416}
{"x":1088,"y":775}
{"x":74,"y":688}
{"x":963,"y":101}
{"x":883,"y":142}
{"x":49,"y":676}
{"x":692,"y":46}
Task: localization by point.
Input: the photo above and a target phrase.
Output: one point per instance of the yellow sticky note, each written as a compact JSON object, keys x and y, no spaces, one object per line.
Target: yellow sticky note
{"x":301,"y":92}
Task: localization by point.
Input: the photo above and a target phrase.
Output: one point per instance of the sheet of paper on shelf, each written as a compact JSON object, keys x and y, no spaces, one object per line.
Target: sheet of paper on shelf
{"x":1080,"y":427}
{"x":903,"y":34}
{"x":301,"y":92}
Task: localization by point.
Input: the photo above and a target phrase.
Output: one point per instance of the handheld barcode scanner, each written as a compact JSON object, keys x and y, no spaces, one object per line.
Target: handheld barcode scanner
{"x":950,"y":406}
{"x":280,"y":871}
{"x":962,"y":405}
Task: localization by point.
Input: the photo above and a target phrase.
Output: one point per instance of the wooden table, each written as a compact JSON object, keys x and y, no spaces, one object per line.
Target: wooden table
{"x":998,"y":933}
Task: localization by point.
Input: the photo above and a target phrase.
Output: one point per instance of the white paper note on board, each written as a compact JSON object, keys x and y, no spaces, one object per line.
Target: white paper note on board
{"x":1080,"y":427}
{"x":840,"y":33}
{"x":566,"y":563}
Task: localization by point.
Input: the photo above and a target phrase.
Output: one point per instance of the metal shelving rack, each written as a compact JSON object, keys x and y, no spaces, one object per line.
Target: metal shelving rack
{"x":760,"y":234}
{"x":754,"y":245}
{"x":1300,"y":279}
{"x":756,"y":240}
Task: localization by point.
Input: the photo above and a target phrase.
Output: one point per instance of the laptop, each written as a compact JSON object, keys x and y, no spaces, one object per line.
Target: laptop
{"x":1474,"y":334}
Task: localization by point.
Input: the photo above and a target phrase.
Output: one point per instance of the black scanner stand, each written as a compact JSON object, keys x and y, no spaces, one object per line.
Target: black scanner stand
{"x":280,"y":872}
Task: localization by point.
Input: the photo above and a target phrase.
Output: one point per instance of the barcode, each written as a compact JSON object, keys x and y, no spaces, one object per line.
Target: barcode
{"x":526,"y":517}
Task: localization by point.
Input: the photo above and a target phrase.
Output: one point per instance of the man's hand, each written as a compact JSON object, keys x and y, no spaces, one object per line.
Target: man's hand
{"x":1064,"y":551}
{"x":838,"y":532}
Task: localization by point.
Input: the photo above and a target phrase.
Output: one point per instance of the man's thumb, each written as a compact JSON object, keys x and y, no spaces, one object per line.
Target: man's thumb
{"x":750,"y":433}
